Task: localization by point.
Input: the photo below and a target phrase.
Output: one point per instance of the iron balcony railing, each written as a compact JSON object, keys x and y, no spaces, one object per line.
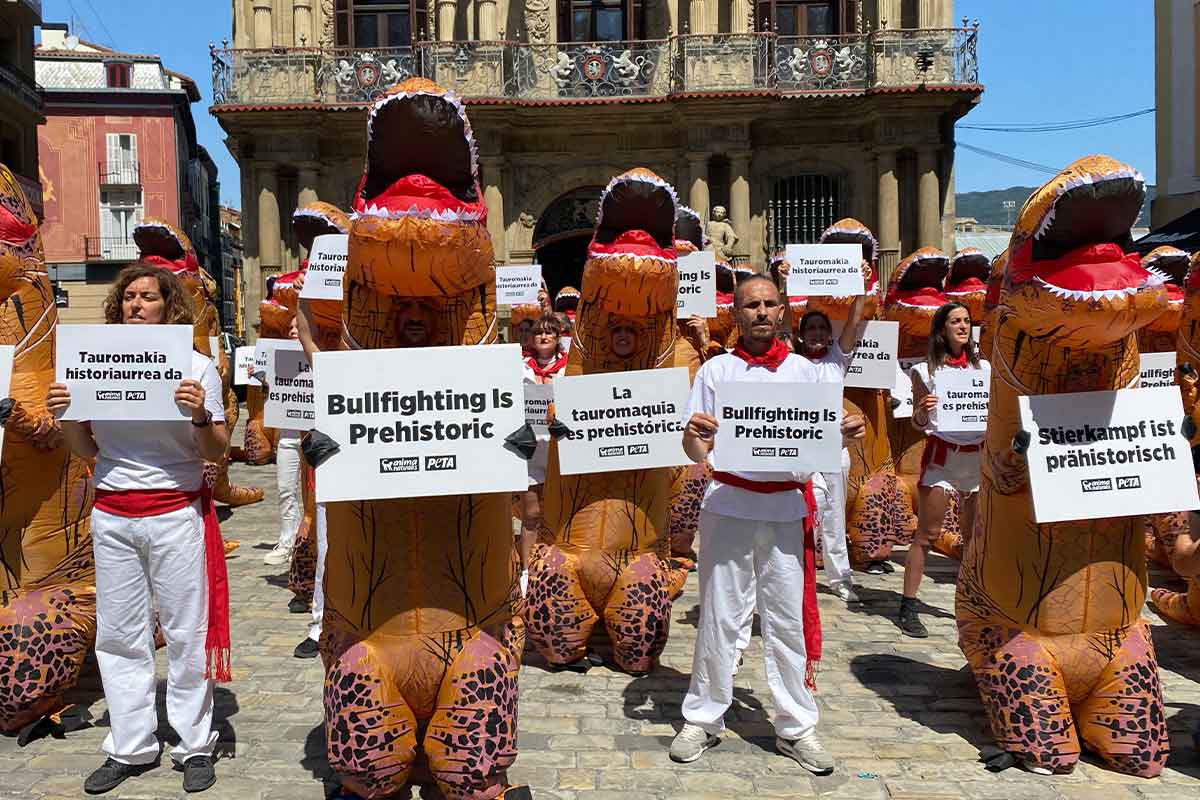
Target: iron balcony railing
{"x":122,"y":172}
{"x":684,"y":64}
{"x":19,"y":86}
{"x":109,"y":248}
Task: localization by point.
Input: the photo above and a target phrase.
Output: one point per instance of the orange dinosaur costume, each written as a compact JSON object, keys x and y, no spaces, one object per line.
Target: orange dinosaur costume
{"x":47,"y":574}
{"x":604,"y":544}
{"x":275,"y":321}
{"x":422,"y":636}
{"x":1049,"y":615}
{"x":991,"y":299}
{"x":966,"y":282}
{"x":161,"y":243}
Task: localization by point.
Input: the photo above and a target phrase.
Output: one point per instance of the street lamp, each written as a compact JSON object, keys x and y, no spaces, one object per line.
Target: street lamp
{"x":1009,"y":205}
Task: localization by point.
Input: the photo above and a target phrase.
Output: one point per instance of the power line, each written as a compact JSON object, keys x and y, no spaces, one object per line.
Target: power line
{"x":112,"y":41}
{"x":1010,"y":160}
{"x":1046,"y":127}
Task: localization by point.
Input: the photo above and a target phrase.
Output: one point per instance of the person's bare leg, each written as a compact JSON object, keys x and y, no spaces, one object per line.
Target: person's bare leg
{"x":931,"y":512}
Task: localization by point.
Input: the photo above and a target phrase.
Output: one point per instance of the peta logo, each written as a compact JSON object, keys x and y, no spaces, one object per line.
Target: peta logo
{"x":1096,"y":484}
{"x":789,"y":452}
{"x":1129,"y":482}
{"x":762,"y":452}
{"x":135,"y":395}
{"x":333,"y":281}
{"x":440,"y":463}
{"x":108,"y":394}
{"x":639,"y":449}
{"x":401,"y":464}
{"x":614,"y":450}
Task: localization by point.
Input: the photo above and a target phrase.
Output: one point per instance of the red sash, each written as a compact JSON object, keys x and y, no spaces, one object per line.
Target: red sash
{"x":936,"y":450}
{"x":138,"y":503}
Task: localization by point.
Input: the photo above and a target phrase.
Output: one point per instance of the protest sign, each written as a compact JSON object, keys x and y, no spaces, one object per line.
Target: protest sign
{"x":781,"y":427}
{"x":6,"y":364}
{"x":289,"y":383}
{"x":243,"y":366}
{"x":123,"y":372}
{"x":517,"y":285}
{"x":262,"y":354}
{"x":962,"y":400}
{"x":908,"y":363}
{"x":564,"y":343}
{"x":419,"y":422}
{"x":1094,"y":455}
{"x":1156,"y":369}
{"x":833,"y":270}
{"x":697,"y":285}
{"x":538,"y":397}
{"x":622,"y":420}
{"x":873,"y":362}
{"x":214,"y":348}
{"x":326,"y":267}
{"x":902,"y":392}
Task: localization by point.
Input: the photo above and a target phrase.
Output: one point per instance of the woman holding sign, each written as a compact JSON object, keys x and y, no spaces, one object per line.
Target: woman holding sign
{"x":157,"y":545}
{"x":951,"y":459}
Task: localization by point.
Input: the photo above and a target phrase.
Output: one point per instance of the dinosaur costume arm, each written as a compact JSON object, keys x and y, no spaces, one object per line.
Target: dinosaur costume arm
{"x":33,"y":423}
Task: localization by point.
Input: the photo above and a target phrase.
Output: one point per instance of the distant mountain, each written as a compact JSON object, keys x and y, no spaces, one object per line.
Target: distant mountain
{"x":988,"y":207}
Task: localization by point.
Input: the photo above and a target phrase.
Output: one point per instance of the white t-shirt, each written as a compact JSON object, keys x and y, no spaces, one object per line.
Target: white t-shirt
{"x":920,"y":371}
{"x":730,"y":501}
{"x":831,"y":367}
{"x":156,"y":455}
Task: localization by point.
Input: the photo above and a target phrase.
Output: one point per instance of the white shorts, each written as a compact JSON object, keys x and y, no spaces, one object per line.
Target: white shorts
{"x":960,"y":472}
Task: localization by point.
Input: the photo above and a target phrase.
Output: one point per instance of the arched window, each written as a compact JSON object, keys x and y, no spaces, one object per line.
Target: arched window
{"x":379,"y":23}
{"x":801,"y":207}
{"x":601,"y":20}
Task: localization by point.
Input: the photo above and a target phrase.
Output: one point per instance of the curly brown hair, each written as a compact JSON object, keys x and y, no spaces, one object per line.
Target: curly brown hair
{"x":177,"y":305}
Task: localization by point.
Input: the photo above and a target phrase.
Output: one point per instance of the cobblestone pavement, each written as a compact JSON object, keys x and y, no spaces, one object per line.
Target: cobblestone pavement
{"x":901,"y":715}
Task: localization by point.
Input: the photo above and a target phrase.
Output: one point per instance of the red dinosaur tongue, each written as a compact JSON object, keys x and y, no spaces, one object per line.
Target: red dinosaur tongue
{"x":1174,"y":293}
{"x":13,"y":229}
{"x":1091,"y":268}
{"x":928,"y":296}
{"x":967,"y":286}
{"x":186,"y":264}
{"x":413,"y":192}
{"x":637,"y":243}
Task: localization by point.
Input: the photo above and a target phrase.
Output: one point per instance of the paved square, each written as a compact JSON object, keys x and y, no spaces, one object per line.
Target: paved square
{"x":901,"y":715}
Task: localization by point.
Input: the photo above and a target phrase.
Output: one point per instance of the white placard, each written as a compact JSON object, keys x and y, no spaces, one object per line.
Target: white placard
{"x":1094,"y":455}
{"x":902,"y":391}
{"x":538,"y":397}
{"x":697,"y":285}
{"x":326,"y":267}
{"x":6,"y":363}
{"x":1157,"y":369}
{"x":975,"y":333}
{"x":564,"y":343}
{"x":622,"y":420}
{"x":780,"y":427}
{"x":832,"y":270}
{"x":962,"y":400}
{"x":908,"y":363}
{"x":243,"y":366}
{"x":214,"y":348}
{"x":289,"y":403}
{"x":873,"y":362}
{"x":123,"y":372}
{"x":420,"y":422}
{"x":518,"y":284}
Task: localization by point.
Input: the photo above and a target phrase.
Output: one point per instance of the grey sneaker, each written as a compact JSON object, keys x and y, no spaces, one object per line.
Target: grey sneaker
{"x":278,"y":556}
{"x":845,"y":591}
{"x":807,"y":751}
{"x":690,"y":743}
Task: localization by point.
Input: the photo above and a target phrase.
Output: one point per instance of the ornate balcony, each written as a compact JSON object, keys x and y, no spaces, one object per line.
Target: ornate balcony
{"x":762,"y":63}
{"x":19,"y":87}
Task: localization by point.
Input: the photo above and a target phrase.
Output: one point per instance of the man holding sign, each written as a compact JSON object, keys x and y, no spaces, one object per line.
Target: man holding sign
{"x":751,"y":524}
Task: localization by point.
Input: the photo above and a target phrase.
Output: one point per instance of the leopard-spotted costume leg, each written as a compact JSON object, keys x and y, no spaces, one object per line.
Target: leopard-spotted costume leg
{"x":638,"y":614}
{"x":370,"y":731}
{"x":558,"y":617}
{"x":1122,"y":718}
{"x":1181,"y":607}
{"x":471,"y":740}
{"x":877,"y":519}
{"x":1024,"y":693}
{"x":1161,"y":532}
{"x":950,"y":541}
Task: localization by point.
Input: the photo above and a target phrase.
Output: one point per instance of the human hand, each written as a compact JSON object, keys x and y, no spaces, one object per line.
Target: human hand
{"x":190,"y":395}
{"x":701,"y":426}
{"x":58,"y":399}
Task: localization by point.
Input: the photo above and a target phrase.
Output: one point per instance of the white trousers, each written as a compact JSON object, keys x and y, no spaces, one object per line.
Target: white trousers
{"x":743,"y":564}
{"x":136,"y":559}
{"x":829,"y":490}
{"x":287,"y":481}
{"x":318,"y":601}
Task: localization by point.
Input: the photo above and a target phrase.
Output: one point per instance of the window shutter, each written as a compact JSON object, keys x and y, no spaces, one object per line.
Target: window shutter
{"x":113,"y":140}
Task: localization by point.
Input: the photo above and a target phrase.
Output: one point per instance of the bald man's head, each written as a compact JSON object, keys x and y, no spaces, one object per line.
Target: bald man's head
{"x":753,"y":280}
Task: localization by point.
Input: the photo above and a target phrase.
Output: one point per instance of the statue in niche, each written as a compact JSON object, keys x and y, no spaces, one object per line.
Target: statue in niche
{"x":721,"y":235}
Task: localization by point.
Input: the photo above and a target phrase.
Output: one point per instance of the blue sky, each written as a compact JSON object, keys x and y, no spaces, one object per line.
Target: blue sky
{"x":1041,"y":62}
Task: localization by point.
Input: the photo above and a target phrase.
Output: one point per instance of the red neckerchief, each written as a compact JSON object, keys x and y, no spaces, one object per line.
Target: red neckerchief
{"x":548,"y":370}
{"x":771,"y":359}
{"x":817,"y":356}
{"x":958,"y":363}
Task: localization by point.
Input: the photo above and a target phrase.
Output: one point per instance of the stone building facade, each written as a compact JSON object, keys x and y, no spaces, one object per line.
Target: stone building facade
{"x":789,"y":113}
{"x":21,"y":108}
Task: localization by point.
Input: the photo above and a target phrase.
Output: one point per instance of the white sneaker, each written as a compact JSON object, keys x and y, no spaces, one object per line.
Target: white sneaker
{"x":690,"y":743}
{"x":279,"y":555}
{"x":845,"y":591}
{"x":807,"y":751}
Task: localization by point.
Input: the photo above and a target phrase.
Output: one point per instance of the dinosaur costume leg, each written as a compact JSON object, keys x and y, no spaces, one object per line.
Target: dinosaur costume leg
{"x":687,"y":492}
{"x":1181,"y":607}
{"x":559,"y":618}
{"x":637,"y":614}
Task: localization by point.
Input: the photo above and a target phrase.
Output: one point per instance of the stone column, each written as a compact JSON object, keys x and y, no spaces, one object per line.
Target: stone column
{"x":263,"y":35}
{"x":698,"y":191}
{"x":489,"y":30}
{"x":888,"y":205}
{"x":493,"y":197}
{"x":698,"y":16}
{"x":929,"y":205}
{"x":270,"y":243}
{"x":302,"y":24}
{"x":445,"y":20}
{"x":251,"y":274}
{"x":739,"y":17}
{"x":309,"y":179}
{"x":739,"y":198}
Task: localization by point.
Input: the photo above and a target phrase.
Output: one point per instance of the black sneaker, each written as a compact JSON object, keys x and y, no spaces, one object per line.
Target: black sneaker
{"x":875,"y":568}
{"x":298,"y":605}
{"x":306,"y":649}
{"x":910,"y":622}
{"x":112,"y":774}
{"x":198,"y":774}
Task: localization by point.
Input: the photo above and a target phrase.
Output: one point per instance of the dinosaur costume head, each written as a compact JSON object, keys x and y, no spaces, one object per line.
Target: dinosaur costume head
{"x":851,"y":231}
{"x":915,"y":293}
{"x":1070,"y":277}
{"x":20,"y":239}
{"x":309,"y":222}
{"x":967,"y":281}
{"x":991,"y":299}
{"x":630,"y":276}
{"x":567,"y":301}
{"x":1171,"y":265}
{"x":164,"y":245}
{"x":689,"y":231}
{"x":419,"y":228}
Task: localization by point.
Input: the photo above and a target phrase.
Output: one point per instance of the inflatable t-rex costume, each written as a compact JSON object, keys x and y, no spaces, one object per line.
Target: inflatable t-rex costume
{"x":161,"y":243}
{"x":1049,"y":615}
{"x":275,"y":322}
{"x":422,"y":636}
{"x":1170,"y":264}
{"x":47,"y":574}
{"x":966,"y":282}
{"x":604,"y":543}
{"x":991,"y":299}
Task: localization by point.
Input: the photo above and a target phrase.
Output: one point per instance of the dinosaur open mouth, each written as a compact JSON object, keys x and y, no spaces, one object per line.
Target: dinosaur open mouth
{"x":1172,"y":268}
{"x":842,"y":233}
{"x":420,"y":160}
{"x":157,"y":239}
{"x":920,"y":285}
{"x":968,"y":274}
{"x":688,"y":227}
{"x":636,"y":217}
{"x":309,"y":223}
